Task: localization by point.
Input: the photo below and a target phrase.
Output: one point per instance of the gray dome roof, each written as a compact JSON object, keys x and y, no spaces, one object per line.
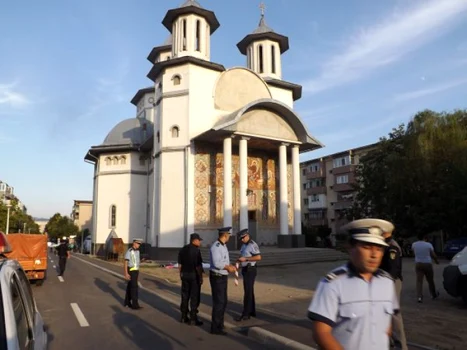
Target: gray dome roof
{"x":133,"y":131}
{"x":262,"y":27}
{"x":191,"y":3}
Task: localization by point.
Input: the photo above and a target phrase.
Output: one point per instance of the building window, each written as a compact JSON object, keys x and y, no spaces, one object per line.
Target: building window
{"x":273,"y":59}
{"x":113,"y":216}
{"x":184,"y":35}
{"x":315,"y":198}
{"x":177,"y":79}
{"x":260,"y":57}
{"x":175,"y":131}
{"x":158,"y":137}
{"x":305,"y":201}
{"x":108,"y":161}
{"x":123,"y":160}
{"x":198,"y":36}
{"x":342,"y":161}
{"x":342,"y":179}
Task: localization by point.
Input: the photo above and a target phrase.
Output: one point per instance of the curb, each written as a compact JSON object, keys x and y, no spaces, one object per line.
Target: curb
{"x":263,"y":336}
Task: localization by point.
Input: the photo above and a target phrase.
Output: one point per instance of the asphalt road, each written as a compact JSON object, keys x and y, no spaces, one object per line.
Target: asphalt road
{"x":84,"y":310}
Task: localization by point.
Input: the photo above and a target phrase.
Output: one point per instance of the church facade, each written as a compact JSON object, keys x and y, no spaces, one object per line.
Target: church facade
{"x":209,"y":146}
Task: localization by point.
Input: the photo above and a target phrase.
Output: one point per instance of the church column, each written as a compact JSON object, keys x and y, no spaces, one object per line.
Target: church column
{"x":243,"y":183}
{"x":297,"y":223}
{"x":228,"y":181}
{"x":284,"y":222}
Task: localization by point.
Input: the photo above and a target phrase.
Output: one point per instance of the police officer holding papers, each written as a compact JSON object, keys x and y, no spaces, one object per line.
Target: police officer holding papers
{"x":353,"y":305}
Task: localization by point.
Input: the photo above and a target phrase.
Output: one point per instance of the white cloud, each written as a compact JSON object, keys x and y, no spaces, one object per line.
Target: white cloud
{"x":13,"y":98}
{"x":412,"y":95}
{"x":387,"y":42}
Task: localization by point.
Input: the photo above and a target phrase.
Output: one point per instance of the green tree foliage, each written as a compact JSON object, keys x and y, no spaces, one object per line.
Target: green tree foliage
{"x":19,"y":220}
{"x":416,"y":176}
{"x":59,"y":226}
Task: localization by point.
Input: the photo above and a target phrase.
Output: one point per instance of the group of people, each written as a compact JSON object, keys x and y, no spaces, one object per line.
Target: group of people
{"x":355,"y":306}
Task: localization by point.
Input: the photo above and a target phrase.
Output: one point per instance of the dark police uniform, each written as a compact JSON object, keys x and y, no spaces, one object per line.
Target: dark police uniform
{"x":218,"y":278}
{"x":133,"y":257}
{"x":191,"y":272}
{"x":62,"y":251}
{"x":249,"y":271}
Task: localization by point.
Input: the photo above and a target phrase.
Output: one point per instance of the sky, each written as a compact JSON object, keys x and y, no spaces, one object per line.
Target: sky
{"x":68,"y":70}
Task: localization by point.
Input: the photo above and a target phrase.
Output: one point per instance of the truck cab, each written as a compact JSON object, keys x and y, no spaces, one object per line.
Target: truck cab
{"x":455,"y":276}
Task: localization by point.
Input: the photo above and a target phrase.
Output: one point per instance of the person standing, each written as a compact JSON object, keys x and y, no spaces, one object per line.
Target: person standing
{"x":63,"y":255}
{"x":220,"y":268}
{"x":249,"y":256}
{"x":424,"y":255}
{"x":190,"y":265}
{"x":353,"y":305}
{"x":131,"y":266}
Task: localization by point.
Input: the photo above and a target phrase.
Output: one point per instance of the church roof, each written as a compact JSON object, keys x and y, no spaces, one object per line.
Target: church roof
{"x":191,"y":7}
{"x":166,"y":46}
{"x":263,"y":32}
{"x":133,"y":131}
{"x":141,"y":93}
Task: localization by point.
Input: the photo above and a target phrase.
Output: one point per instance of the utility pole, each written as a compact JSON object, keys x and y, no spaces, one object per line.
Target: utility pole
{"x":8,"y":206}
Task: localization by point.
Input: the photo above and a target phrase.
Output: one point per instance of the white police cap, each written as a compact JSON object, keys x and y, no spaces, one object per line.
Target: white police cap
{"x":369,"y":230}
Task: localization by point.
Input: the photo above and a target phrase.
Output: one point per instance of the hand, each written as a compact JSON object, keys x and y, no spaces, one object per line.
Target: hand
{"x":127,"y":276}
{"x":242,"y":259}
{"x":231,"y":268}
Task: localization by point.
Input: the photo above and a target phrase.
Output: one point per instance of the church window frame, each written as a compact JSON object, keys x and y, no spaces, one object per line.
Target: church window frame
{"x":184,"y":36}
{"x":115,"y":160}
{"x":177,"y":79}
{"x":198,"y":36}
{"x":273,"y":59}
{"x":260,"y":59}
{"x":122,"y":160}
{"x":113,"y":216}
{"x":175,"y":131}
{"x":108,"y":161}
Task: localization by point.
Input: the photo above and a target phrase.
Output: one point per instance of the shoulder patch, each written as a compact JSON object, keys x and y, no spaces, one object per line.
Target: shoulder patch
{"x":218,"y":244}
{"x":331,"y":276}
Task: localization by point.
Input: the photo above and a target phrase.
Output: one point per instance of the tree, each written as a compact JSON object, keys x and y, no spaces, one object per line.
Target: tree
{"x":19,"y":220}
{"x":415,"y":176}
{"x":59,"y":226}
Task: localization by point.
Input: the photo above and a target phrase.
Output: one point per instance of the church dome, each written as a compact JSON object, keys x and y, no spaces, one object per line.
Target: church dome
{"x":133,"y":131}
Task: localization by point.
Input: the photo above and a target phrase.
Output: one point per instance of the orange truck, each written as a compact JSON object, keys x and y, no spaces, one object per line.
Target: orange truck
{"x":30,"y":250}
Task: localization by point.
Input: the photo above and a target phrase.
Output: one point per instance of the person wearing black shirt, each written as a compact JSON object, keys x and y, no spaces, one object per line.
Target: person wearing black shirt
{"x":63,"y":254}
{"x":392,"y":263}
{"x":190,"y":265}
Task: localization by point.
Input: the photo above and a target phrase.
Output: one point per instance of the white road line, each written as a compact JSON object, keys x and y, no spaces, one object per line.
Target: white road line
{"x":51,"y":261}
{"x":79,"y":315}
{"x":60,"y":278}
{"x":54,"y":266}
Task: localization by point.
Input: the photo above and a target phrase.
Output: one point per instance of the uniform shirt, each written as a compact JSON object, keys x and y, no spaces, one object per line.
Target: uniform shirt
{"x":132,"y":255}
{"x":62,"y":250}
{"x":392,"y":260}
{"x":422,"y":251}
{"x":358,"y":311}
{"x":190,"y":258}
{"x":218,"y":258}
{"x":248,"y":250}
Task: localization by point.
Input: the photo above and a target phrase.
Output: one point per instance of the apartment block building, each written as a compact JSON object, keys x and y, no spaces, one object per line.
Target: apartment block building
{"x":327,"y":187}
{"x":6,"y":191}
{"x":81,"y":214}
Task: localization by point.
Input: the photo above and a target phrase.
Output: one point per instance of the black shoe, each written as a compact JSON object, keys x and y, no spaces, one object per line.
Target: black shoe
{"x":184,"y":319}
{"x":137,"y":307}
{"x":195,"y":322}
{"x":420,"y":300}
{"x":253,"y":314}
{"x":242,"y":318}
{"x":435,"y":296}
{"x":127,"y":305}
{"x":219,"y":332}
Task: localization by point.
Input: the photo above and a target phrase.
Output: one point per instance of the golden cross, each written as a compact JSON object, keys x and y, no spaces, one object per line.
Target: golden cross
{"x":262,"y":7}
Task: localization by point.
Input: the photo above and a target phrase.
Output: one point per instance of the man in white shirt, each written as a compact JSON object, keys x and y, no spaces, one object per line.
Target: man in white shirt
{"x":424,"y":255}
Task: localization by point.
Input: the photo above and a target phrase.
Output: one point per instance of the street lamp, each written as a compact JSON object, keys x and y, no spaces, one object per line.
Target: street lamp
{"x":8,"y":206}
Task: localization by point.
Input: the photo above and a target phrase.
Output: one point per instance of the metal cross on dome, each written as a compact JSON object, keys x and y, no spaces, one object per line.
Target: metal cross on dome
{"x":262,"y":6}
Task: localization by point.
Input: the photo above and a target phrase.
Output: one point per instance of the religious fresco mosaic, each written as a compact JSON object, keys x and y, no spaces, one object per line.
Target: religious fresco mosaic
{"x":263,"y":170}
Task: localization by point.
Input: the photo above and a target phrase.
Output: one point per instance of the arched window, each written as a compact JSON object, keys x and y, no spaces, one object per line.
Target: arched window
{"x":115,"y":160}
{"x":184,"y":34}
{"x":113,"y":216}
{"x":177,"y":79}
{"x":198,"y":36}
{"x":273,"y":59}
{"x":108,"y":161}
{"x":175,"y":131}
{"x":158,"y":137}
{"x":123,"y":160}
{"x":260,"y":57}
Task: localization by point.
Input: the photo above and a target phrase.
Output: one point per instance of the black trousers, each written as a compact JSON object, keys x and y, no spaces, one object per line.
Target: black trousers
{"x":131,"y":295}
{"x":249,"y":277}
{"x":62,"y":264}
{"x":219,"y":300}
{"x":191,"y":290}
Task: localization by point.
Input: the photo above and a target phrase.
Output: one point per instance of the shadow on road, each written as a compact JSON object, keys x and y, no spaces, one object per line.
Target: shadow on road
{"x":141,"y":333}
{"x":105,"y":287}
{"x":50,"y":336}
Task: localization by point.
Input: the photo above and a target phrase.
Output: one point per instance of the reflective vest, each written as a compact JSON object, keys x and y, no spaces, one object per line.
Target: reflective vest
{"x":133,"y":260}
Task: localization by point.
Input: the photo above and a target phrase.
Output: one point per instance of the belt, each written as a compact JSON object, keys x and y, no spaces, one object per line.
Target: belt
{"x":249,"y":266}
{"x":216,"y":274}
{"x":134,"y":268}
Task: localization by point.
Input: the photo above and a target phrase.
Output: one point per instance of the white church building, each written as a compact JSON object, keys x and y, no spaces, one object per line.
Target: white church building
{"x":209,"y":146}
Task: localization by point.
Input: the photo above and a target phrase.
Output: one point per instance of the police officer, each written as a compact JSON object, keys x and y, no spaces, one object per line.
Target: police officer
{"x":353,"y":305}
{"x":190,"y":265}
{"x":220,"y":268}
{"x":63,"y":252}
{"x":392,"y":263}
{"x":249,"y":256}
{"x":131,"y":271}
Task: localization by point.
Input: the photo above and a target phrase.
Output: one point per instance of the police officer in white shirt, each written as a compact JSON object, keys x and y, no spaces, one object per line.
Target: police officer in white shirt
{"x":424,"y":255}
{"x":353,"y":305}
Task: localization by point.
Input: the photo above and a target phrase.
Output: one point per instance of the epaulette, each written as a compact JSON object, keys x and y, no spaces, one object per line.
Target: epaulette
{"x":383,"y":273}
{"x":217,"y":244}
{"x":331,"y":276}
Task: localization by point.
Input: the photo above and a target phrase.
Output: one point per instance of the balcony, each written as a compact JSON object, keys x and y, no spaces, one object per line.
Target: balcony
{"x":343,"y":187}
{"x":316,"y":190}
{"x":316,"y":174}
{"x":341,"y":205}
{"x":317,"y":205}
{"x":344,"y":169}
{"x":318,"y":222}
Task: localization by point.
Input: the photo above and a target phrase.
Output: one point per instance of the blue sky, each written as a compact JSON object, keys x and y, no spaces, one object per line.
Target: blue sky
{"x":68,"y":70}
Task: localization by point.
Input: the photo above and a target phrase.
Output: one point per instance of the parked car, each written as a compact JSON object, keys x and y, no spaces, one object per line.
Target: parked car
{"x":22,"y":326}
{"x":455,"y":276}
{"x":454,"y":246}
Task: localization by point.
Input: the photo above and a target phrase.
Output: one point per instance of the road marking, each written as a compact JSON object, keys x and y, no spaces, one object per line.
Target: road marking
{"x":54,"y":266}
{"x":51,"y":261}
{"x":60,"y":278}
{"x":79,"y":315}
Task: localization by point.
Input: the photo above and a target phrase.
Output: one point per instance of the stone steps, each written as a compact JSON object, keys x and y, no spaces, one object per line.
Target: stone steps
{"x":288,"y":256}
